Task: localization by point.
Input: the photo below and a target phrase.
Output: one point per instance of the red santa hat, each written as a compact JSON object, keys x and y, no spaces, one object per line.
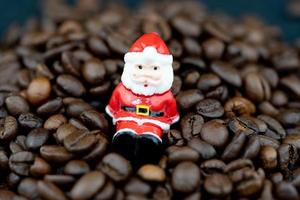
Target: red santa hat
{"x":149,"y":47}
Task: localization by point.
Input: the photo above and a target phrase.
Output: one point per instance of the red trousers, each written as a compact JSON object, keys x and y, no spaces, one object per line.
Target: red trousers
{"x":145,"y":128}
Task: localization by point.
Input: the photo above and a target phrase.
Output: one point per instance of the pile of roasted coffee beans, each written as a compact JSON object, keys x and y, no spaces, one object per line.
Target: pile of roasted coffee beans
{"x":236,"y":83}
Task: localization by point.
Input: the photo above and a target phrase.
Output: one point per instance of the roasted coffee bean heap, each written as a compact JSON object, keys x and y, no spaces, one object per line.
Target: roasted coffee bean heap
{"x":236,"y":83}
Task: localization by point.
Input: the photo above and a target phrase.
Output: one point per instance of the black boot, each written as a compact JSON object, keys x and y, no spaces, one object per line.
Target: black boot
{"x":149,"y":149}
{"x":124,"y":143}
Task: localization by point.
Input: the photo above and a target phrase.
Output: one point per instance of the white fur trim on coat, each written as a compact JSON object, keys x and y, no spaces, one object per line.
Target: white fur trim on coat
{"x":107,"y":110}
{"x":139,"y":121}
{"x":123,"y":130}
{"x":176,"y":119}
{"x":149,"y":53}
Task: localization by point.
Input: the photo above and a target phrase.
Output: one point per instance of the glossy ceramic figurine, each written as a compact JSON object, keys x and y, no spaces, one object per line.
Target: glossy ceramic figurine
{"x":142,"y":105}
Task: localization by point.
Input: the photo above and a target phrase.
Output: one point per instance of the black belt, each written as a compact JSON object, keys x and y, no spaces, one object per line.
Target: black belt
{"x":143,"y":110}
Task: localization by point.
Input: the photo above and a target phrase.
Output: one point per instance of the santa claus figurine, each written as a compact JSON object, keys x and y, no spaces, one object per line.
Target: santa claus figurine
{"x":142,"y":105}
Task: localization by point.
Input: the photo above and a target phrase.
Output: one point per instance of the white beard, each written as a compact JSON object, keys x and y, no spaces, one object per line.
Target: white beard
{"x":140,"y":89}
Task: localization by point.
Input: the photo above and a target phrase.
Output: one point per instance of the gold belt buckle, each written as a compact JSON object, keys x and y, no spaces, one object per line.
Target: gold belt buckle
{"x":142,"y":110}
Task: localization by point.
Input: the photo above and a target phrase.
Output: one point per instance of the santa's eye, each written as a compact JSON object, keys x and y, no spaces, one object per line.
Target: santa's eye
{"x":140,"y":67}
{"x":155,"y":68}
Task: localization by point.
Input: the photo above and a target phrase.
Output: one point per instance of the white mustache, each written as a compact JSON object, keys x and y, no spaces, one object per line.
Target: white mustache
{"x":147,"y":81}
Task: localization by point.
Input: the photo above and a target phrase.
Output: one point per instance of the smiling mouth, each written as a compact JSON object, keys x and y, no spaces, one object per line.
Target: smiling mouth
{"x":145,"y":85}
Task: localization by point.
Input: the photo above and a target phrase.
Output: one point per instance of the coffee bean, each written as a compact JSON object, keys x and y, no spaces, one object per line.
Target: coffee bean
{"x":79,"y":141}
{"x":210,"y":108}
{"x":63,"y":131}
{"x":60,"y":180}
{"x":76,"y":107}
{"x":94,"y":120}
{"x":267,"y":190}
{"x":287,"y":156}
{"x":8,"y":128}
{"x":257,"y":88}
{"x":275,"y":129}
{"x":215,"y":29}
{"x":213,"y":48}
{"x":187,"y":99}
{"x":55,"y":153}
{"x":227,"y":72}
{"x":252,"y":185}
{"x":218,"y":185}
{"x":186,"y":177}
{"x":267,"y":108}
{"x":71,"y":85}
{"x":93,"y":71}
{"x":118,"y":43}
{"x":175,"y":137}
{"x":69,"y":64}
{"x":98,"y":46}
{"x":279,"y":98}
{"x":243,"y":124}
{"x":55,"y":121}
{"x":76,"y":167}
{"x":24,"y":78}
{"x":155,"y":23}
{"x":38,"y":90}
{"x":291,"y":83}
{"x":36,"y":138}
{"x":271,"y":76}
{"x":185,"y":26}
{"x":191,"y":78}
{"x":191,"y":125}
{"x":8,"y":195}
{"x":49,"y":191}
{"x":50,"y":107}
{"x":285,"y":190}
{"x":176,"y":86}
{"x":208,"y":81}
{"x":16,"y":105}
{"x":88,"y":185}
{"x":107,"y":192}
{"x":192,"y":46}
{"x":293,"y":139}
{"x":179,"y":154}
{"x":116,"y":167}
{"x":44,"y":71}
{"x":100,"y":90}
{"x":193,"y":62}
{"x":289,"y":117}
{"x":39,"y":167}
{"x":205,"y":150}
{"x":268,"y":156}
{"x":30,"y":121}
{"x":99,"y":149}
{"x":13,"y":179}
{"x":252,"y":147}
{"x":215,"y":133}
{"x":28,"y":188}
{"x":238,"y":164}
{"x":239,"y":106}
{"x":20,"y":162}
{"x":268,"y":141}
{"x":3,"y":160}
{"x":234,"y":147}
{"x":152,"y":173}
{"x":137,"y":186}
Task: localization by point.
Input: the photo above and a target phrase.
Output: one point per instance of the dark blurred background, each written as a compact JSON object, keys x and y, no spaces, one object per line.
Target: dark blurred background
{"x":282,"y":13}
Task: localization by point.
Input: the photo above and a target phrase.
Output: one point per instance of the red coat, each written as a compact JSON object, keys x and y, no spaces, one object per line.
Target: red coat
{"x":164,"y":104}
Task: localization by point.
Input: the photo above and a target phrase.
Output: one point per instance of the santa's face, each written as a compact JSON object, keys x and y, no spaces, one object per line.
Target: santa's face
{"x":147,"y":75}
{"x":147,"y":78}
